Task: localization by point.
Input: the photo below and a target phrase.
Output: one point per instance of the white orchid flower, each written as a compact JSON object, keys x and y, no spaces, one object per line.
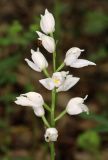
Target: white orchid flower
{"x":39,"y":61}
{"x":61,"y":80}
{"x":56,"y":80}
{"x":47,"y":42}
{"x":47,"y":22}
{"x":71,"y":58}
{"x":75,"y":106}
{"x":32,"y":99}
{"x":51,"y":135}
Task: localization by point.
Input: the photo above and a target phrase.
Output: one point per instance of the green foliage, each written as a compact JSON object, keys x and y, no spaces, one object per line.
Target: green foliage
{"x":99,"y":55}
{"x":102,"y":98}
{"x":2,"y":125}
{"x":23,"y":158}
{"x":95,"y":22}
{"x":16,"y":158}
{"x":15,"y":28}
{"x":59,"y":8}
{"x":8,"y":98}
{"x":16,"y":34}
{"x":6,"y":67}
{"x":9,"y":63}
{"x":29,"y":87}
{"x":90,"y":141}
{"x":98,"y":118}
{"x":102,"y":120}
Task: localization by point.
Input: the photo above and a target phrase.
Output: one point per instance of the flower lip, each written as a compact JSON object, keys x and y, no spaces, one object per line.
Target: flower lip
{"x":59,"y":77}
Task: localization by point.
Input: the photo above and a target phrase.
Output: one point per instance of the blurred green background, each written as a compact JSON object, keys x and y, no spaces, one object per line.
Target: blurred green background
{"x":81,"y":24}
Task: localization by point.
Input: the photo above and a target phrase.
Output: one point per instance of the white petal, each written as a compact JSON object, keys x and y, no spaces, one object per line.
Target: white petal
{"x":69,"y":60}
{"x":76,"y":100}
{"x":32,"y":65}
{"x":39,"y":111}
{"x":76,"y":106}
{"x":74,"y":51}
{"x":39,"y":59}
{"x":48,"y":43}
{"x":47,"y":83}
{"x":85,"y":108}
{"x":68,"y":83}
{"x":46,"y":11}
{"x":79,"y":63}
{"x":59,"y":77}
{"x":47,"y":22}
{"x":64,"y":73}
{"x":72,"y":55}
{"x":32,"y":51}
{"x":23,"y":101}
{"x":74,"y":109}
{"x":85,"y":97}
{"x":39,"y":34}
{"x":34,"y":97}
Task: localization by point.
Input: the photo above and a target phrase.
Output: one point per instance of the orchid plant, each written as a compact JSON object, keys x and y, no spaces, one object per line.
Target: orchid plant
{"x":58,"y":82}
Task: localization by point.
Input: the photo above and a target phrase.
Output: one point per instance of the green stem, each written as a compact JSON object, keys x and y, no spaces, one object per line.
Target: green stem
{"x":47,"y":107}
{"x":60,"y":67}
{"x":60,"y":115}
{"x":46,"y":73}
{"x":54,"y":61}
{"x":54,"y":56}
{"x":53,"y":107}
{"x":52,"y":149}
{"x":45,"y":121}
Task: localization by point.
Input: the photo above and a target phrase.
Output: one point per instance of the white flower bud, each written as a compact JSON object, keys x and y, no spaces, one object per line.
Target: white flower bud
{"x":47,"y":42}
{"x":51,"y":135}
{"x":39,"y":61}
{"x":47,"y":22}
{"x":72,"y":60}
{"x":75,"y":106}
{"x":32,"y":99}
